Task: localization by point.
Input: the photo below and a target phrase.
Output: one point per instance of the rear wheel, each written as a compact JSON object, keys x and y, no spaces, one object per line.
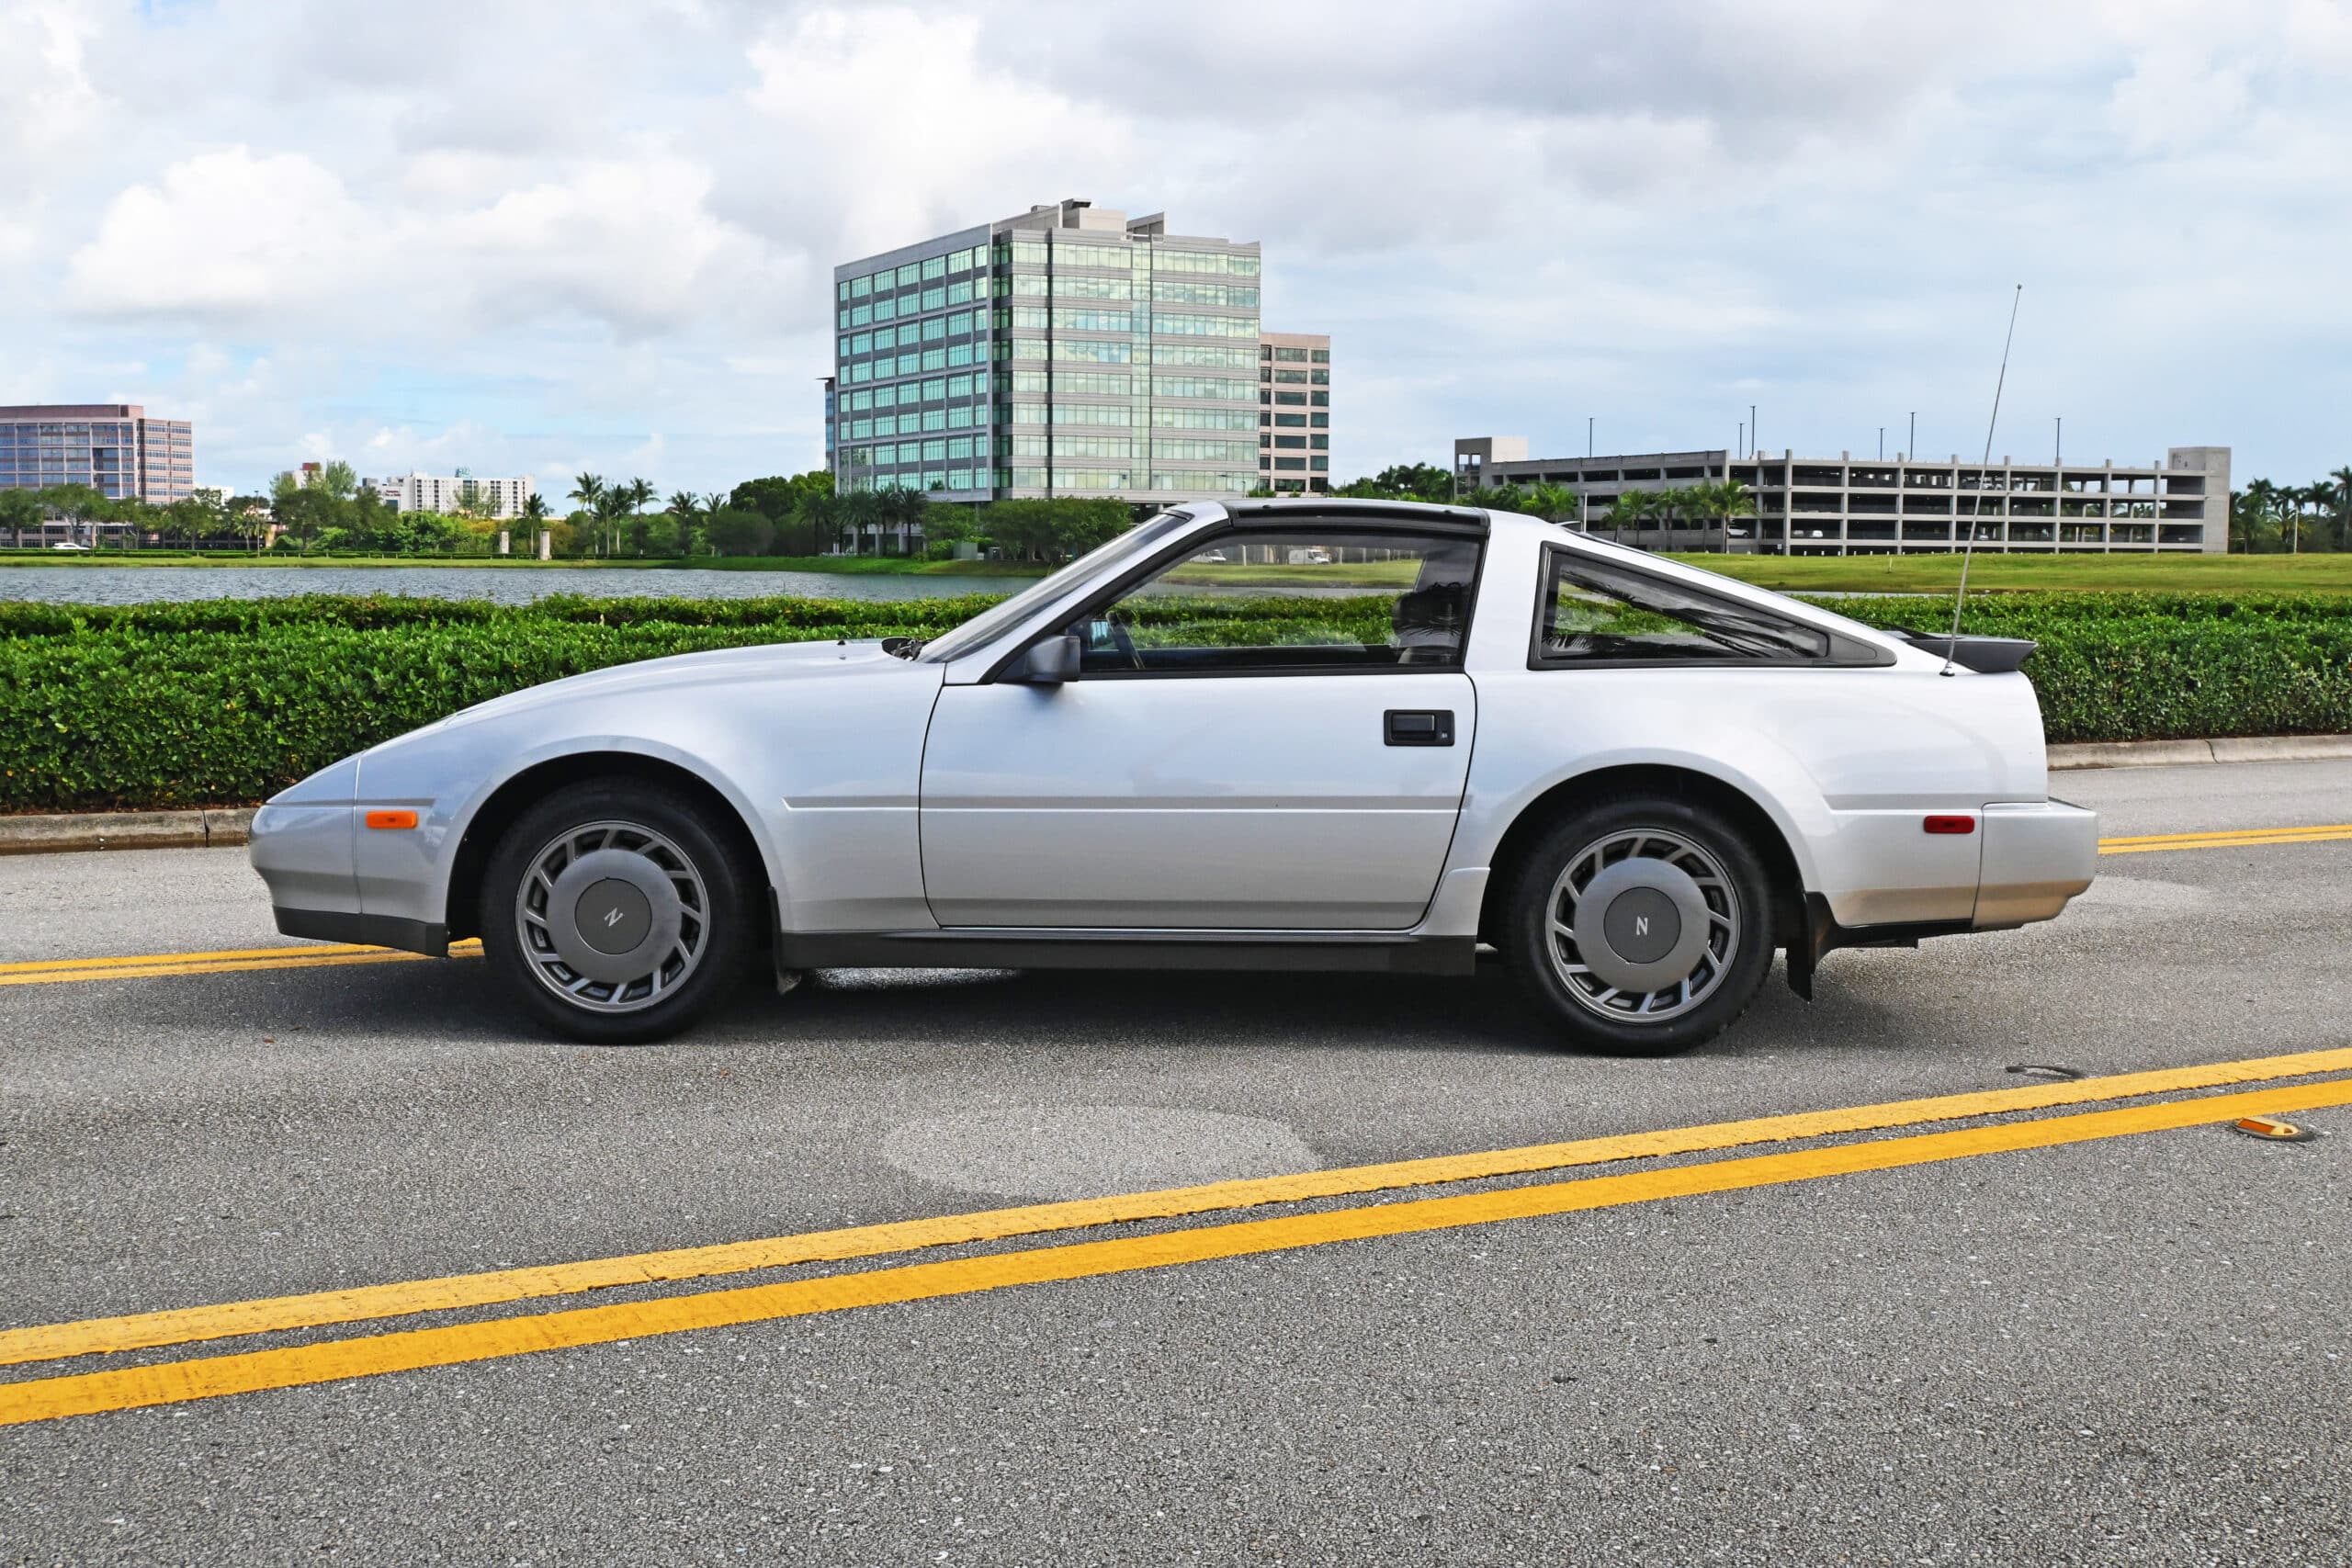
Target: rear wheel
{"x":1642,"y":927}
{"x":616,"y":911}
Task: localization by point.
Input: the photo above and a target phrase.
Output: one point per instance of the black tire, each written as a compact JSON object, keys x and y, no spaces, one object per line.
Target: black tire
{"x":1737,"y":972}
{"x":668,"y":825}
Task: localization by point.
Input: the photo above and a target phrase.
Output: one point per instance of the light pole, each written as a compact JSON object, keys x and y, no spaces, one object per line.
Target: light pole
{"x":1584,"y":483}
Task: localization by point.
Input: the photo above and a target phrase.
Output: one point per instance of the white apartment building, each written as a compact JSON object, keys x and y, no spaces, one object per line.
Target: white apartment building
{"x":501,"y":498}
{"x":1294,"y":412}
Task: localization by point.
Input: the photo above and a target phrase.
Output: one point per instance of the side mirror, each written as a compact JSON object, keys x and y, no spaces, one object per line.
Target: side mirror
{"x":1048,"y":663}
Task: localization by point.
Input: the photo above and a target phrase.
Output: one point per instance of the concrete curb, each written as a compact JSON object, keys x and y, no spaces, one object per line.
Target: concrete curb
{"x":2173,"y":753}
{"x":214,"y":827}
{"x":219,"y":827}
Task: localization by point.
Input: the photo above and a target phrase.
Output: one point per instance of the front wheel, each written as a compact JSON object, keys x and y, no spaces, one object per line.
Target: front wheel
{"x":615,"y":912}
{"x":1642,"y":927}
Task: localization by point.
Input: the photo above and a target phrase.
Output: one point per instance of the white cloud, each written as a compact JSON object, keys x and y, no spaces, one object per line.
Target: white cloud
{"x":224,"y":233}
{"x":600,"y":236}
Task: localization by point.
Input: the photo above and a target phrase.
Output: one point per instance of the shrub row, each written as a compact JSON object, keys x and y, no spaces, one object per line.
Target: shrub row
{"x":2162,"y":666}
{"x":224,"y":700}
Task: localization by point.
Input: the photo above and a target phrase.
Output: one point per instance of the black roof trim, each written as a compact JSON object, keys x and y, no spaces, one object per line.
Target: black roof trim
{"x":1347,"y":506}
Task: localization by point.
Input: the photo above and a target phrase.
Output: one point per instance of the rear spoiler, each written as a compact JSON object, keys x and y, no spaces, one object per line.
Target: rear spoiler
{"x":1986,"y":655}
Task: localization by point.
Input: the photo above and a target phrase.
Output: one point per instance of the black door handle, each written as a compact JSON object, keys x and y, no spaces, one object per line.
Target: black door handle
{"x":1417,"y":727}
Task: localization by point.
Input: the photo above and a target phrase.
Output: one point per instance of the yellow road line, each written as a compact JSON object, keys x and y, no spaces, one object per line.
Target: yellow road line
{"x":334,"y":1360}
{"x":56,"y":971}
{"x":282,"y":951}
{"x":2220,"y":840}
{"x":2227,"y":833}
{"x":184,"y":1324}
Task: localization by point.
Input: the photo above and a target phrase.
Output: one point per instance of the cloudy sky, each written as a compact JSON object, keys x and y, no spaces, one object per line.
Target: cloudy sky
{"x":541,"y":236}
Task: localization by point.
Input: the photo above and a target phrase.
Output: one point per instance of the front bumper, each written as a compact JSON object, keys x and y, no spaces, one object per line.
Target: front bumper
{"x":2037,"y":856}
{"x":374,"y":931}
{"x":308,"y":854}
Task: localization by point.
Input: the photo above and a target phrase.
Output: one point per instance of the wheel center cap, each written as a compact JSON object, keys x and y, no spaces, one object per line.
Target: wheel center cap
{"x":1641,"y":925}
{"x":613,"y":916}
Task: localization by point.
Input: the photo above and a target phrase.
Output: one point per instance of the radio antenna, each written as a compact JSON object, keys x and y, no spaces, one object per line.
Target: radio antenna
{"x":1976,"y":500}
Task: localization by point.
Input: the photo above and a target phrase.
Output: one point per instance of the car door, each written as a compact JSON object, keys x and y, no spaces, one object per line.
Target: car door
{"x":1268,"y":742}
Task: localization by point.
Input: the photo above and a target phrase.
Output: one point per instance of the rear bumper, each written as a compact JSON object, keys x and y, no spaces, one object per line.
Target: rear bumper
{"x":2037,"y":857}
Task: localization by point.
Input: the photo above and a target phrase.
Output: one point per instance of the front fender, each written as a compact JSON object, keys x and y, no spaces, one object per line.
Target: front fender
{"x":448,"y":777}
{"x":821,"y":758}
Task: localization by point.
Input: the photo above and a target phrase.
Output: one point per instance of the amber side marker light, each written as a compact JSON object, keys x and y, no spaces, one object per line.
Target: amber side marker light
{"x":391,"y":818}
{"x":1950,"y":824}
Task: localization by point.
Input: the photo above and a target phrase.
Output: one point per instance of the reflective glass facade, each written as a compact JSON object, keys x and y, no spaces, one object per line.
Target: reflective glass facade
{"x":1038,"y":356}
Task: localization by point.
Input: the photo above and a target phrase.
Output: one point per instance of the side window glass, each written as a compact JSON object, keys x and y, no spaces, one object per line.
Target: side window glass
{"x":1595,"y":613}
{"x":1293,"y":599}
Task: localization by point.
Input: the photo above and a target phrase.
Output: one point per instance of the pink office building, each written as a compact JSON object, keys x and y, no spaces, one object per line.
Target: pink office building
{"x":114,"y":448}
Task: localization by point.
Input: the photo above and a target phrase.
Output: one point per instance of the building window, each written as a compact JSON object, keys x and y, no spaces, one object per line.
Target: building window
{"x":1322,"y":356}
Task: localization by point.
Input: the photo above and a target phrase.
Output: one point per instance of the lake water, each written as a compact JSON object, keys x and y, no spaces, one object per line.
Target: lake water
{"x":503,"y":585}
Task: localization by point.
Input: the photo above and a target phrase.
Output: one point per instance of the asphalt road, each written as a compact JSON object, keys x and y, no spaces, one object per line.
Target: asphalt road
{"x":2125,"y":1351}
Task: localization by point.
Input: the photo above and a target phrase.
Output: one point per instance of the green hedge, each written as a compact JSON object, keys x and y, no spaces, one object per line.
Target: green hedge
{"x":2162,"y":666}
{"x":222,"y":700}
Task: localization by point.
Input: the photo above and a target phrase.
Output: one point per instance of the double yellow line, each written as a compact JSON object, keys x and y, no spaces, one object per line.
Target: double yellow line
{"x":235,"y":960}
{"x":2227,"y":839}
{"x":411,"y":1349}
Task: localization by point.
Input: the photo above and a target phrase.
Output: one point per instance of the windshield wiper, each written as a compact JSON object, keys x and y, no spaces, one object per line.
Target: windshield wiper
{"x":903,"y":647}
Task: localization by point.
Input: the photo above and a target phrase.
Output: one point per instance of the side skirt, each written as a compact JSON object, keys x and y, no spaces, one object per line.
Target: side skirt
{"x":1375,"y":953}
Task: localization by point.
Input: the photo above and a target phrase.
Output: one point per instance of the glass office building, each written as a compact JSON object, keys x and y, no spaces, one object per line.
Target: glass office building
{"x":1068,"y":351}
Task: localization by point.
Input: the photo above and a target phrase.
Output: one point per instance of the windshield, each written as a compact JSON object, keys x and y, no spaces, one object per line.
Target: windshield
{"x":1097,"y":563}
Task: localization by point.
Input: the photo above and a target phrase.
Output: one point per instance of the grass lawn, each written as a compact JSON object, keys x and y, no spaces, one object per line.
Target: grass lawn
{"x":851,"y":566}
{"x":2073,"y":573}
{"x":1353,"y":574}
{"x":858,"y":566}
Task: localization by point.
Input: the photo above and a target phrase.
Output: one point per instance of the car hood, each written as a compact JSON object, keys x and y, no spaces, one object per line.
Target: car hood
{"x":683,"y":672}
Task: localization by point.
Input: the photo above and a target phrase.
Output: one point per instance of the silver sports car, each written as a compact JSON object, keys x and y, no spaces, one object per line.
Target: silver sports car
{"x":1305,"y":735}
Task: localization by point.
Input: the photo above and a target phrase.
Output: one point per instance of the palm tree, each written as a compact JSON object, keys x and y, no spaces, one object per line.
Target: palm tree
{"x":1726,"y":501}
{"x":1667,"y":508}
{"x":587,"y":490}
{"x":2264,"y":497}
{"x":2319,"y":495}
{"x":1550,"y":501}
{"x":1629,"y":509}
{"x":858,"y":508}
{"x":819,"y":513}
{"x":686,"y":507}
{"x":2245,"y":520}
{"x":2343,"y":478}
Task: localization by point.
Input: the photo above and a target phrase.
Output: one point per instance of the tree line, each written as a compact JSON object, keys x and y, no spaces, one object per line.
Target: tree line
{"x":2267,"y":518}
